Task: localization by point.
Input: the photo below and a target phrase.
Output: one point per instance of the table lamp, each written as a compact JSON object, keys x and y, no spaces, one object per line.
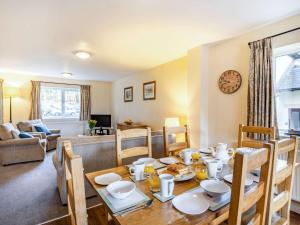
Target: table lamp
{"x":172,"y":122}
{"x":11,"y":92}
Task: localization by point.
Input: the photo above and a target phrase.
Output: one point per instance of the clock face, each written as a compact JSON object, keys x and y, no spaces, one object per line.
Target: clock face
{"x":230,"y":81}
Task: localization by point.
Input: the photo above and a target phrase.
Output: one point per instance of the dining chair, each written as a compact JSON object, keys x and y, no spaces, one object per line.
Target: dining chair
{"x":257,"y":195}
{"x":250,"y":142}
{"x":280,"y":193}
{"x":173,"y":148}
{"x":122,"y":135}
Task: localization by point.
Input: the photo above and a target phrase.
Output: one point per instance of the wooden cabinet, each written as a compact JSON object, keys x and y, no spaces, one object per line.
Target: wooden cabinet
{"x":124,"y":126}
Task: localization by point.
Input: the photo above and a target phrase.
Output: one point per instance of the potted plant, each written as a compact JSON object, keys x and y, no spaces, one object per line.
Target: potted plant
{"x":92,"y":124}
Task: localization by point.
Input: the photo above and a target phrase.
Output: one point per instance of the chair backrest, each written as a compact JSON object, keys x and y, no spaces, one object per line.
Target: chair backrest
{"x":172,"y":148}
{"x":252,"y":143}
{"x":257,"y":195}
{"x":281,"y":181}
{"x":75,"y":185}
{"x":134,"y":151}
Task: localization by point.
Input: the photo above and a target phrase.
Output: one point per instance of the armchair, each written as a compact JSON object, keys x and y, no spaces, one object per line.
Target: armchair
{"x":28,"y":126}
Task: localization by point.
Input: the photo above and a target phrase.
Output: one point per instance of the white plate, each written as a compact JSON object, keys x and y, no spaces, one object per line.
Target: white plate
{"x":229,"y":177}
{"x":205,"y":150}
{"x":190,"y":203}
{"x":107,"y":178}
{"x":215,"y":187}
{"x":185,"y":177}
{"x":121,"y":189}
{"x":147,"y":160}
{"x":169,"y":160}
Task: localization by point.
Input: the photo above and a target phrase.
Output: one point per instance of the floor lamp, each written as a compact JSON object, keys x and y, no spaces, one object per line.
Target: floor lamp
{"x":11,"y":92}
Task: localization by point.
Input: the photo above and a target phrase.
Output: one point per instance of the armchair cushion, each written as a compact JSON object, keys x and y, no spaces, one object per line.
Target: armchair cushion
{"x":5,"y":131}
{"x":42,"y":128}
{"x":25,"y":135}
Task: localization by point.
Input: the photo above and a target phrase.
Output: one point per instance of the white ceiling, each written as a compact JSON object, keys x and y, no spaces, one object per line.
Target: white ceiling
{"x":39,"y":36}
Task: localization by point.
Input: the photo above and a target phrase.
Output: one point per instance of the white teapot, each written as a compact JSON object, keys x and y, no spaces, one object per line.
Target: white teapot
{"x":222,"y":152}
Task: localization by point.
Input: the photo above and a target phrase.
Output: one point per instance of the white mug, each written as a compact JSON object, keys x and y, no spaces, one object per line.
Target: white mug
{"x":221,"y":147}
{"x":187,"y":156}
{"x":214,"y":166}
{"x":166,"y":185}
{"x":137,"y":170}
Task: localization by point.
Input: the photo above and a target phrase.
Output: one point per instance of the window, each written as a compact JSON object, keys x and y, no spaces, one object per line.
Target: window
{"x":60,"y":101}
{"x":287,"y":69}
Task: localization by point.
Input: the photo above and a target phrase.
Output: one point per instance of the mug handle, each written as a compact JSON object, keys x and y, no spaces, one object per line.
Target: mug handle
{"x":131,"y":170}
{"x":170,"y":188}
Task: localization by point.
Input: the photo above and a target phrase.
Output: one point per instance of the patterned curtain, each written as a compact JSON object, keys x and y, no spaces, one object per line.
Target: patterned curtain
{"x":85,"y":103}
{"x":261,"y":93}
{"x":1,"y":101}
{"x":35,"y":100}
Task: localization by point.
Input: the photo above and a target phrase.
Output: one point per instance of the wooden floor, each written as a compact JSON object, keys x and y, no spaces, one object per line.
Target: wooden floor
{"x":94,"y":213}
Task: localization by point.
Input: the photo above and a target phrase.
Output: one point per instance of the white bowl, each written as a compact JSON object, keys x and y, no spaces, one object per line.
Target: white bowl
{"x":214,"y":187}
{"x":121,"y":189}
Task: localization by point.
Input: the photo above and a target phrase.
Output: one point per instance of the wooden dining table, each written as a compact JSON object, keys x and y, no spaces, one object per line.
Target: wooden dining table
{"x":159,"y":213}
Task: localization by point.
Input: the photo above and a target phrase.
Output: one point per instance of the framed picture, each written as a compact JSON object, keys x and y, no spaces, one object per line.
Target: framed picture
{"x":128,"y":94}
{"x":149,"y":90}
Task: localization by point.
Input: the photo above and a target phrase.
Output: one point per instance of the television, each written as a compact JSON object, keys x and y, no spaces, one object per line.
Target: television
{"x":102,"y":120}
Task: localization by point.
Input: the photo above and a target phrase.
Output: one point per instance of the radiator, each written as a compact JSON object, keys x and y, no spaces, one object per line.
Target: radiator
{"x":296,"y":183}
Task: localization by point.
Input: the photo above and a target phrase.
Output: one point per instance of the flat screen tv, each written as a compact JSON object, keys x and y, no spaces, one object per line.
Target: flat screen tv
{"x":102,"y":120}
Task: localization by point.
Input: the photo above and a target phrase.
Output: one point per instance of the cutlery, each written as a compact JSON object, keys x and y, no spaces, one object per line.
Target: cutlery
{"x":135,"y":208}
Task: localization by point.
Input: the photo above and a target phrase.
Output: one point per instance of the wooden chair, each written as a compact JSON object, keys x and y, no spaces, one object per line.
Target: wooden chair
{"x":78,"y":213}
{"x":134,"y":151}
{"x":252,"y":143}
{"x":173,"y":148}
{"x":257,"y":195}
{"x":282,"y":181}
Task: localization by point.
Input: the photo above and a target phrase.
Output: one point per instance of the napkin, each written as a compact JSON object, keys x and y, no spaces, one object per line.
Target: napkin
{"x":117,"y":205}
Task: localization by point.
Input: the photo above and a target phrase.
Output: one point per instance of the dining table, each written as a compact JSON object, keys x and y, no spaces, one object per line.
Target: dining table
{"x":160,"y":213}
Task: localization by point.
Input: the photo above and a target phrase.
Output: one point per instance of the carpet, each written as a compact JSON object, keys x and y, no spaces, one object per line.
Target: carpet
{"x":29,"y":195}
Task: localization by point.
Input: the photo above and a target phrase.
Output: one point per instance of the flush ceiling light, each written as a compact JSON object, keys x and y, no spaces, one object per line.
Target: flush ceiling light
{"x":66,"y":75}
{"x":83,"y":55}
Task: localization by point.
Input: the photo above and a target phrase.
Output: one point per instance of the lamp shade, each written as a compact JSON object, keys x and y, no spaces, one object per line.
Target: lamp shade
{"x":172,"y":122}
{"x":10,"y":91}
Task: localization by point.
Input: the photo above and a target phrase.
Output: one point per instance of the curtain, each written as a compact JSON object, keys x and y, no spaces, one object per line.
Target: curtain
{"x":35,"y":100}
{"x":261,"y":95}
{"x":85,"y":103}
{"x":1,"y":101}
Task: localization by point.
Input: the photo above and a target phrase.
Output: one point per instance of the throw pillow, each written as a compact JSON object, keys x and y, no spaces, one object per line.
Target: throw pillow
{"x":25,"y":135}
{"x":42,"y":128}
{"x":5,"y":132}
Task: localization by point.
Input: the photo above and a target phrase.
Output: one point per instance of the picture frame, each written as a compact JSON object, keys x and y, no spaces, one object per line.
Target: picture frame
{"x":128,"y":94}
{"x":149,"y":90}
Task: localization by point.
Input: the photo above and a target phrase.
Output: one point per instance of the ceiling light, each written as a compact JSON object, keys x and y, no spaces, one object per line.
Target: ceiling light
{"x":66,"y":75}
{"x":83,"y":55}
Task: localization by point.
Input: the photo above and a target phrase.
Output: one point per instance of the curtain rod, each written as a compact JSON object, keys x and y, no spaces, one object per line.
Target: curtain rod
{"x":275,"y":35}
{"x":49,"y":82}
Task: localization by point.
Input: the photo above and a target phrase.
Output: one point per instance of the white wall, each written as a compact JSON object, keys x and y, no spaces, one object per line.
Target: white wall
{"x":171,"y":92}
{"x":101,"y":99}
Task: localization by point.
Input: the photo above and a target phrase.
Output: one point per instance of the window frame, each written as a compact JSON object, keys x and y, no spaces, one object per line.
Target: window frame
{"x":63,"y":87}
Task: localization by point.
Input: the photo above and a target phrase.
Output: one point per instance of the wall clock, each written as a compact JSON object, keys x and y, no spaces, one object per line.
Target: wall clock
{"x":230,"y":81}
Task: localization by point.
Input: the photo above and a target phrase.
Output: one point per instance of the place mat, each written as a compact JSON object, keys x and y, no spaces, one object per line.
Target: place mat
{"x":117,"y":205}
{"x":161,"y":198}
{"x":134,"y":180}
{"x":215,"y":203}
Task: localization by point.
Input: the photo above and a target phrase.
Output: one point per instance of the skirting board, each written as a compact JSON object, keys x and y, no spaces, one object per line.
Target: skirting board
{"x":295,"y":207}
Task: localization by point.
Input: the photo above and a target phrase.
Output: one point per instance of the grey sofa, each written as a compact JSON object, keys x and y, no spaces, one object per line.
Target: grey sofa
{"x":28,"y":126}
{"x":17,"y":150}
{"x":98,"y":153}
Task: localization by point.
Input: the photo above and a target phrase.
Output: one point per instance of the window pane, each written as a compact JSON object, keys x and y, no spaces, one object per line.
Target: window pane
{"x":288,"y":92}
{"x":60,"y":102}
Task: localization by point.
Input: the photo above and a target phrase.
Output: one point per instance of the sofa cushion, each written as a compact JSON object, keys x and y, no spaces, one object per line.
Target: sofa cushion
{"x":15,"y":133}
{"x":42,"y":128}
{"x":25,"y":126}
{"x":5,"y":131}
{"x":25,"y":135}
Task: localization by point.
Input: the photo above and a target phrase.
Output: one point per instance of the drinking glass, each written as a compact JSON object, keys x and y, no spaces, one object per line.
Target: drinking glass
{"x":154,"y":182}
{"x":201,"y":173}
{"x":149,"y":169}
{"x":195,"y":157}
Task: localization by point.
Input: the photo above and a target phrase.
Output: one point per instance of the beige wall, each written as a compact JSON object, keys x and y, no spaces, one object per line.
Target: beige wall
{"x":100,"y":97}
{"x":171,"y":95}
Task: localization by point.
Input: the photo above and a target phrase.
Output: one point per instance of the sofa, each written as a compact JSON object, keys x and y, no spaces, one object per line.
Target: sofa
{"x":16,"y":150}
{"x":98,"y":153}
{"x":28,"y":126}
